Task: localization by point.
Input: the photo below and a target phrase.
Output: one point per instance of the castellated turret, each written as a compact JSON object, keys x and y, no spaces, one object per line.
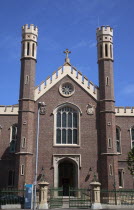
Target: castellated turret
{"x":29,"y":41}
{"x":104,"y":36}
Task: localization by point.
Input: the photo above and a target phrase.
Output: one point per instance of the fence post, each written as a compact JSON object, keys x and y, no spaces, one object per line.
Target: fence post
{"x":95,"y":195}
{"x":43,"y":194}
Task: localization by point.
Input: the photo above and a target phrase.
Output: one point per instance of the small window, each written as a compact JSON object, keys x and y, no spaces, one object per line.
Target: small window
{"x":27,"y":80}
{"x":106,"y":50}
{"x":121,"y":178}
{"x":22,"y":170}
{"x":107,"y":81}
{"x":132,"y":137}
{"x":118,"y":139}
{"x":110,"y":170}
{"x":28,"y":47}
{"x":23,"y":142}
{"x":109,"y":143}
{"x":11,"y":174}
{"x":13,"y":138}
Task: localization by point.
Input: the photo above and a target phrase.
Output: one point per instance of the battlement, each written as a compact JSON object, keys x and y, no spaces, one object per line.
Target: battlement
{"x":124,"y":111}
{"x":72,"y":72}
{"x":26,"y":29}
{"x":9,"y":110}
{"x":104,"y":30}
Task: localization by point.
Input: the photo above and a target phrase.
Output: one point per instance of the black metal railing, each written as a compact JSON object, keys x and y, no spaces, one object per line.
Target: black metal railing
{"x":117,"y":197}
{"x":11,"y":196}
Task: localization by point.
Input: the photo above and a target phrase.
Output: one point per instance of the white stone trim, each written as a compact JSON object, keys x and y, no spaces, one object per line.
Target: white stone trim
{"x":9,"y":110}
{"x":124,"y":111}
{"x":57,"y":158}
{"x":73,"y":74}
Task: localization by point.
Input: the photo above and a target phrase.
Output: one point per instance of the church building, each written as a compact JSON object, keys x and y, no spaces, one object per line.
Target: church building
{"x":71,"y":125}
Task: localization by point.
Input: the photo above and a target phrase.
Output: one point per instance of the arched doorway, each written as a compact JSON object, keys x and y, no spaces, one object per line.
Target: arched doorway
{"x":67,"y":173}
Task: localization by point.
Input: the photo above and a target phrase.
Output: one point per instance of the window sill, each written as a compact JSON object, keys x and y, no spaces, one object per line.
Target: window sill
{"x":66,"y":145}
{"x":119,"y":153}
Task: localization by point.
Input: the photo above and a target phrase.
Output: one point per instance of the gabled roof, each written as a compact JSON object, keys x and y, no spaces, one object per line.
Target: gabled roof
{"x":63,"y":71}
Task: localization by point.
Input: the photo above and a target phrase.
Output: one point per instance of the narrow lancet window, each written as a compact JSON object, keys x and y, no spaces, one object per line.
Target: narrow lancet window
{"x":22,"y":170}
{"x":110,"y":170}
{"x":118,"y":139}
{"x":107,"y":80}
{"x":106,"y":50}
{"x":33,"y":50}
{"x":28,"y":47}
{"x":132,"y":137}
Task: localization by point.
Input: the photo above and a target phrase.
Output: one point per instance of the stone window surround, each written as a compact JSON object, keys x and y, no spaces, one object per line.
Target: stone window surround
{"x":119,"y":140}
{"x":22,"y":170}
{"x":79,"y":112}
{"x":122,"y":177}
{"x":132,"y":141}
{"x":11,"y":137}
{"x":75,"y":158}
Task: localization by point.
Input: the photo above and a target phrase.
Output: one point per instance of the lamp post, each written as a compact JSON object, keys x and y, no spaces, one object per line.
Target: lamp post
{"x":41,"y":110}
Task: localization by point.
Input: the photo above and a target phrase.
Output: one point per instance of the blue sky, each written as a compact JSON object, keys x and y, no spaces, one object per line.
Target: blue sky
{"x":67,"y":24}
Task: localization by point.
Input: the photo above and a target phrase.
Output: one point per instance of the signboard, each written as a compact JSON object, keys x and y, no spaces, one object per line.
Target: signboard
{"x":28,"y":196}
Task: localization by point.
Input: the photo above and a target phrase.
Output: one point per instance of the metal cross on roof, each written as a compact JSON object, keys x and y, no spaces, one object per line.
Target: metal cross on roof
{"x":67,"y":52}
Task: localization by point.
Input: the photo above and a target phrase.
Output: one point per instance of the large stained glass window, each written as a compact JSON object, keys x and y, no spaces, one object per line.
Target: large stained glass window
{"x":66,"y":126}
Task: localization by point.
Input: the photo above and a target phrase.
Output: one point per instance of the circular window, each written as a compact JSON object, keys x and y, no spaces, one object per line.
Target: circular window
{"x":66,"y":89}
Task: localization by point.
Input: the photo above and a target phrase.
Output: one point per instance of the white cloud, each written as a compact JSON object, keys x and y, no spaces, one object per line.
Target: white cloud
{"x":129,"y":89}
{"x":84,"y":43}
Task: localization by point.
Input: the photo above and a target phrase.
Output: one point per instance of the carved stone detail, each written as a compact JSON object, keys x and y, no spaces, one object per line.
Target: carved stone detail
{"x":90,"y":109}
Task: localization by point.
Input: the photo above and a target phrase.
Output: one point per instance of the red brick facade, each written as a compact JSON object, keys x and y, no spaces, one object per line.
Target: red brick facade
{"x":95,"y":151}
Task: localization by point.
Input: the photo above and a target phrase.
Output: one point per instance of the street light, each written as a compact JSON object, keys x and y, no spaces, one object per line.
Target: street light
{"x":41,"y":110}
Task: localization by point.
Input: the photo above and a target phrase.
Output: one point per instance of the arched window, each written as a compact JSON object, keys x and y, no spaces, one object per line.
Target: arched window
{"x":118,"y":139}
{"x":107,"y":80}
{"x":132,"y":137}
{"x":33,"y":50}
{"x":106,"y":50}
{"x":67,"y":125}
{"x":28,"y":48}
{"x":13,"y":137}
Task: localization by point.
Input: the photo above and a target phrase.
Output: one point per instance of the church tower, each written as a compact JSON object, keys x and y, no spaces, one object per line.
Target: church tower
{"x":24,"y":155}
{"x":108,"y":169}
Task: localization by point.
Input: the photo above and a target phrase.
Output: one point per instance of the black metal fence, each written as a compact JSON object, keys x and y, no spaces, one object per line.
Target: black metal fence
{"x":117,"y":197}
{"x":55,"y":197}
{"x":79,"y":198}
{"x":11,"y":196}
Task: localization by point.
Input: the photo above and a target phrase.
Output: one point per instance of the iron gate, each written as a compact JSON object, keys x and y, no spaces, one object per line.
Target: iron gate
{"x":56,"y":197}
{"x":79,"y":198}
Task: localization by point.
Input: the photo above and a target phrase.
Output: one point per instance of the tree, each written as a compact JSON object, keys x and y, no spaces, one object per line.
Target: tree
{"x":130,"y":162}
